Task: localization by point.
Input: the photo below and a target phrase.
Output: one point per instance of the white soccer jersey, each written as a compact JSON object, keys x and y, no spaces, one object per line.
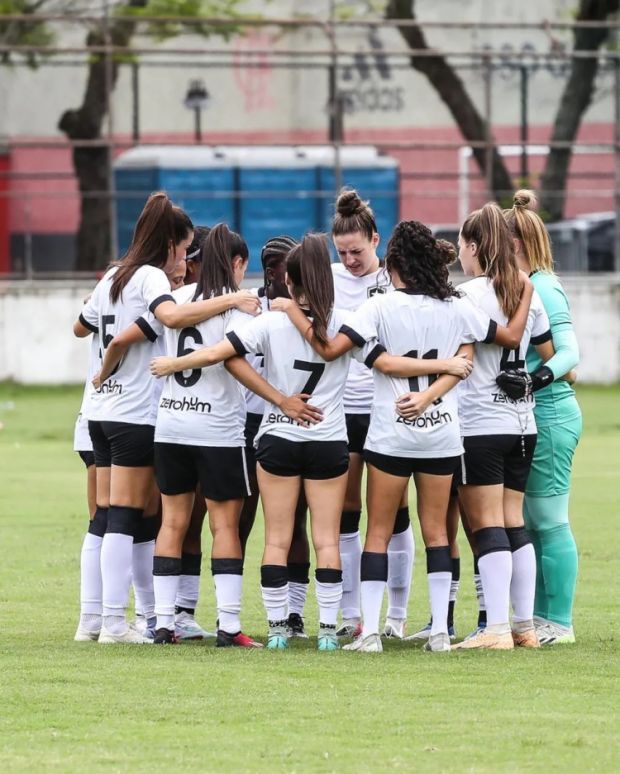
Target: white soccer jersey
{"x":292,"y":366}
{"x":254,"y":403}
{"x":125,"y":396}
{"x":81,"y":436}
{"x":414,"y":325}
{"x":484,"y":408}
{"x":350,"y":294}
{"x":205,"y":406}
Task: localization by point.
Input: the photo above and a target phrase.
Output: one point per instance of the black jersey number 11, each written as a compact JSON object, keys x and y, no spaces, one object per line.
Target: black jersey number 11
{"x":316,"y":371}
{"x":414,"y":383}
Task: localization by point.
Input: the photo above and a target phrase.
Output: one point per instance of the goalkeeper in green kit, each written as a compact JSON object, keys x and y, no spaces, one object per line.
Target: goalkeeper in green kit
{"x":558,"y":419}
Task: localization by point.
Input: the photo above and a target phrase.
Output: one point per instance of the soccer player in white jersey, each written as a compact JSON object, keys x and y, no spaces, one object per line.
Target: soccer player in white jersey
{"x":357,"y":277}
{"x":414,"y":426}
{"x":120,"y":419}
{"x":499,"y":436}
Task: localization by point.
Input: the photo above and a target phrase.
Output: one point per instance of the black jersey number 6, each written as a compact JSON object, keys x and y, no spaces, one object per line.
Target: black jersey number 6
{"x":193,"y":334}
{"x":316,"y":371}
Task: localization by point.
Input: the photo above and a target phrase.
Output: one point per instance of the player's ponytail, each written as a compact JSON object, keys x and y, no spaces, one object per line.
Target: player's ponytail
{"x":353,"y":215}
{"x":420,"y":260}
{"x":527,"y":226}
{"x":309,"y":269}
{"x":488,"y":229}
{"x":159,"y":227}
{"x":216,"y":273}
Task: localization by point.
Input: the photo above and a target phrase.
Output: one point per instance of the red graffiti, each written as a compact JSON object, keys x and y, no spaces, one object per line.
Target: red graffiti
{"x":253,"y":71}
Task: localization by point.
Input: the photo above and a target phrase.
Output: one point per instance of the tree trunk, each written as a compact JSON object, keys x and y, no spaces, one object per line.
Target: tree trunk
{"x":575,"y":100}
{"x":451,"y":90}
{"x":93,"y":247}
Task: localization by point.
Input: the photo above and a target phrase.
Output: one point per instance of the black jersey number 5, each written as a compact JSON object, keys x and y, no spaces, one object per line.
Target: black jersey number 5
{"x":316,"y":371}
{"x":193,"y":334}
{"x":107,"y":320}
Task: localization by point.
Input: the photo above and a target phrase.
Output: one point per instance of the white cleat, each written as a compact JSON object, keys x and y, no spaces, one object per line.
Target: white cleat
{"x":395,"y":628}
{"x":129,"y":637}
{"x":350,"y":627}
{"x":187,"y":628}
{"x":438,"y":643}
{"x":422,"y":634}
{"x":368,"y":644}
{"x":86,"y":635}
{"x":550,"y":633}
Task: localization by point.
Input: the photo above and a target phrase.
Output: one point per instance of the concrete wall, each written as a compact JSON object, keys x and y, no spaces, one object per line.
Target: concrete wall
{"x":37,"y":346}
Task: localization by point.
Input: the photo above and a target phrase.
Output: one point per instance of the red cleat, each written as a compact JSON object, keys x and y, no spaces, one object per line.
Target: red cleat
{"x":239,"y":640}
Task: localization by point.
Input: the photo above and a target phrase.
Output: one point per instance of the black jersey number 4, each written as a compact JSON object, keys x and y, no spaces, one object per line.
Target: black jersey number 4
{"x":316,"y":371}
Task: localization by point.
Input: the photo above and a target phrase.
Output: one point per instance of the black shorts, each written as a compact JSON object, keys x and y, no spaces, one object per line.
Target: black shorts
{"x":252,"y":423}
{"x":309,"y":459}
{"x":221,"y":470}
{"x":122,"y":443}
{"x":87,"y":457}
{"x":406,"y":466}
{"x":357,"y":430}
{"x":497,"y":459}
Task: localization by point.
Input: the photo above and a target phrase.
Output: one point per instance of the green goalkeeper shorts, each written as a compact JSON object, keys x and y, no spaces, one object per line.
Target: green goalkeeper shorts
{"x":553,"y":459}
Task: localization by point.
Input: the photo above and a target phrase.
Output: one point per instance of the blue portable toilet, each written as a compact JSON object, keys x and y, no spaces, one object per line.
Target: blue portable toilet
{"x":196,"y":178}
{"x":276,"y":194}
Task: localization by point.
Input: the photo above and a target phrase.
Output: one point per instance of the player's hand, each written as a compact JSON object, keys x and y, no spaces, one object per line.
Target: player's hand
{"x":570,"y":377}
{"x":162,"y":366}
{"x":460,"y":366}
{"x":515,"y":383}
{"x":412,"y":404}
{"x":296,"y":408}
{"x":281,"y":304}
{"x":246,"y":301}
{"x":96,"y":381}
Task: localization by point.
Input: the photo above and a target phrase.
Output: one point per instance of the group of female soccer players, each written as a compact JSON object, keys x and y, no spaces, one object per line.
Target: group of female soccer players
{"x":201,"y":396}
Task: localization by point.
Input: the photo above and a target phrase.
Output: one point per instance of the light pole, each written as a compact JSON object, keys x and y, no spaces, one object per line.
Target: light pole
{"x":196,"y":99}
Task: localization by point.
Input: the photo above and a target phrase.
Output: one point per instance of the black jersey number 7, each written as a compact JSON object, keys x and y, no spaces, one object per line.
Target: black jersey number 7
{"x":316,"y":371}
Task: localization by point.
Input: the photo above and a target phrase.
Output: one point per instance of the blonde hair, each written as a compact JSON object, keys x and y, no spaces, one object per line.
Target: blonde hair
{"x":527,"y":226}
{"x":496,"y":255}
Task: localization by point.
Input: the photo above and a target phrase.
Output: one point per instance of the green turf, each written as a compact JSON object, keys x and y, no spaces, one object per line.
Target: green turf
{"x":67,"y":706}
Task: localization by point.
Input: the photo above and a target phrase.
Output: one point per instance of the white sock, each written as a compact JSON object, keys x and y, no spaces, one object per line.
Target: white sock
{"x":439,"y":595}
{"x":479,"y":592}
{"x":142,"y":576}
{"x":523,"y":583}
{"x":297,"y":593}
{"x":454,"y":590}
{"x":228,"y":601}
{"x":165,"y":587}
{"x":351,"y":558}
{"x":116,"y":554}
{"x":328,"y":596}
{"x":372,"y":599}
{"x":495,"y":574}
{"x":401,"y":552}
{"x":189,"y":591}
{"x":90,"y":580}
{"x":275,"y":600}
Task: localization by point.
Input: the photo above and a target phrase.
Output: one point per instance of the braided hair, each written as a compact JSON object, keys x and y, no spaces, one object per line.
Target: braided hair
{"x":274,"y":251}
{"x":420,"y":260}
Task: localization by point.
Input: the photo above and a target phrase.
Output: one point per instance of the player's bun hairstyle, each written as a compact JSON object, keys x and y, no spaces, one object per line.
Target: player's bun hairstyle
{"x":194,"y":251}
{"x":216,"y":273}
{"x":353,"y":215}
{"x":309,"y":269}
{"x":487,"y":227}
{"x":420,"y":260}
{"x":159,"y":226}
{"x":527,"y":226}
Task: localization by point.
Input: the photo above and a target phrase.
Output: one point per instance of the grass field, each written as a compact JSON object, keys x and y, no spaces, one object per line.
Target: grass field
{"x":69,"y":706}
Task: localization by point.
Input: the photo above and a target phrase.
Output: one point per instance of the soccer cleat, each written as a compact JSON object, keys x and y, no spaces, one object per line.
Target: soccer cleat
{"x":423,"y":634}
{"x":295,"y":625}
{"x":395,"y":628}
{"x":164,"y":636}
{"x":369,"y":644}
{"x":327,"y":639}
{"x":350,"y":627}
{"x":239,"y":640}
{"x":551,"y":633}
{"x":278,"y":635}
{"x":86,"y":635}
{"x":527,"y":639}
{"x":187,"y":628}
{"x":438,"y":643}
{"x":487,"y":640}
{"x":478,"y":630}
{"x":129,"y":637}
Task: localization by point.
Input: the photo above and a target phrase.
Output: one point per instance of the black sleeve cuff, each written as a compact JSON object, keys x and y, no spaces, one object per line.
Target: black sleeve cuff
{"x":546,"y":336}
{"x":86,"y":324}
{"x":491,"y":333}
{"x":237,"y":343}
{"x":146,"y":329}
{"x":353,"y":335}
{"x":541,"y":377}
{"x":377,"y":350}
{"x":160,"y":300}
